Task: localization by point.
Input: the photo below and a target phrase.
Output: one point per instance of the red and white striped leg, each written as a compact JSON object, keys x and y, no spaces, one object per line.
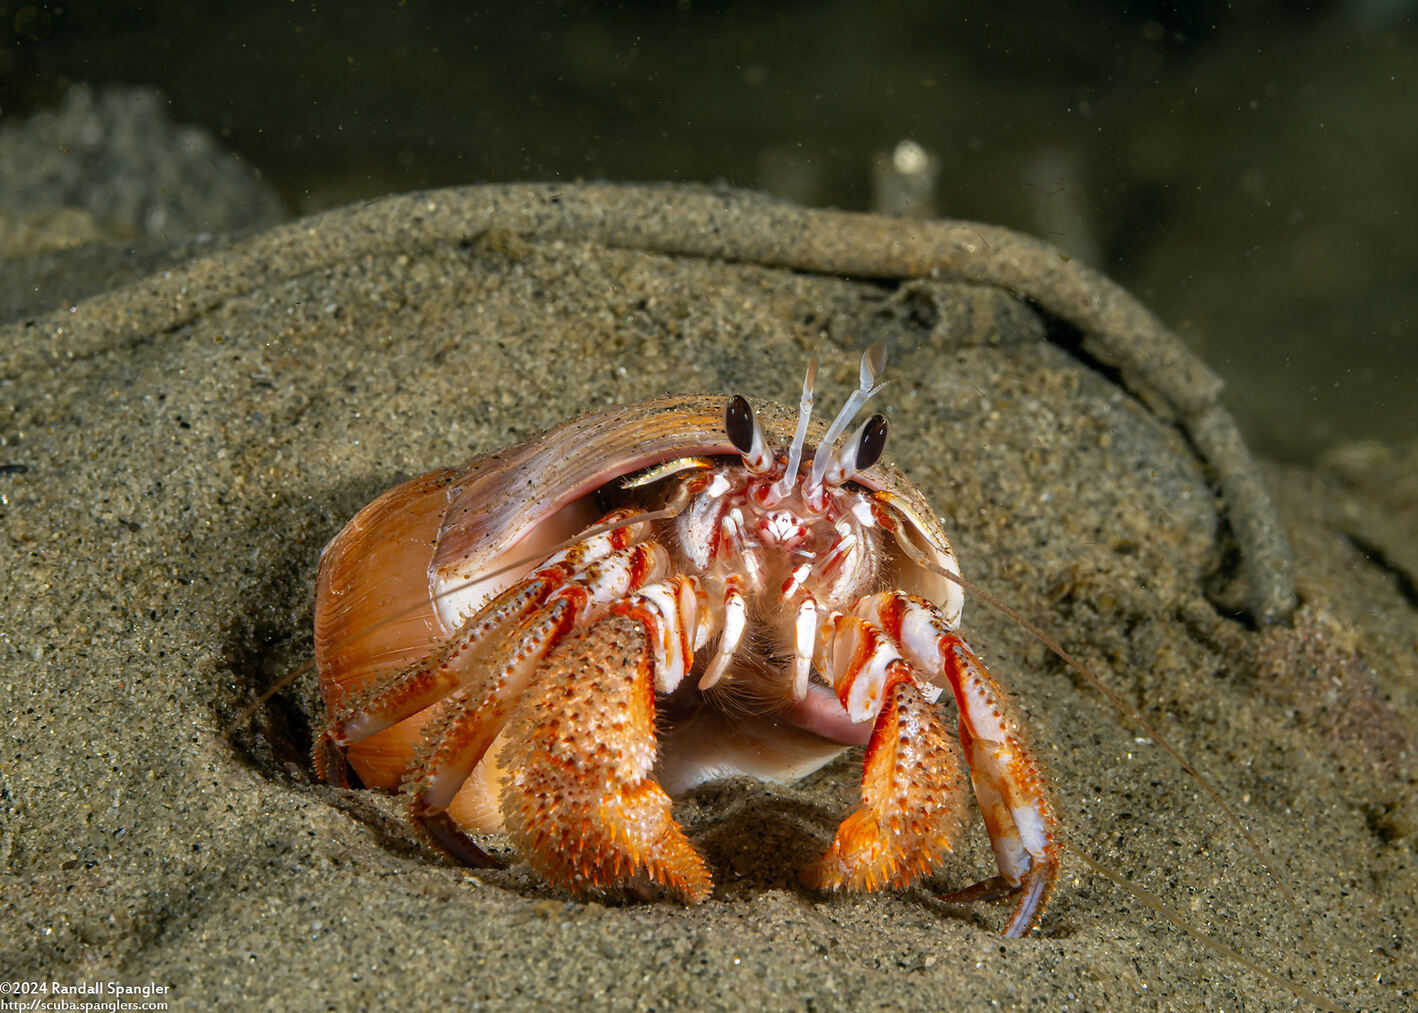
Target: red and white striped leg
{"x":404,"y":692}
{"x":580,"y":801}
{"x":456,"y":740}
{"x":735,"y":613}
{"x":1007,"y":781}
{"x":911,"y":790}
{"x":455,"y":663}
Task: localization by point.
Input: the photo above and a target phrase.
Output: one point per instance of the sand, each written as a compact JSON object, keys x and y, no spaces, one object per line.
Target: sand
{"x":177,"y":451}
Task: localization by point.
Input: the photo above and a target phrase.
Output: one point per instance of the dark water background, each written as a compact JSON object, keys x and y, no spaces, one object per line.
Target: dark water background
{"x":1249,"y":169}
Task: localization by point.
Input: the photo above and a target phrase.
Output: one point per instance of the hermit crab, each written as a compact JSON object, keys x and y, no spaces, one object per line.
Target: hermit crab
{"x":556,"y":639}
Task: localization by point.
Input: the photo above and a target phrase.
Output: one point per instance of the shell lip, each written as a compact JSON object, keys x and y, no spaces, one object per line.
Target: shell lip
{"x":501,"y":498}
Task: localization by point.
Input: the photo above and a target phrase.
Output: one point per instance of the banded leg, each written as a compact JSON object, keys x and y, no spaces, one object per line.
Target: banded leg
{"x":580,"y":801}
{"x":735,"y":613}
{"x":911,"y":786}
{"x":405,"y":692}
{"x":443,"y":671}
{"x":1006,"y":777}
{"x":458,"y":738}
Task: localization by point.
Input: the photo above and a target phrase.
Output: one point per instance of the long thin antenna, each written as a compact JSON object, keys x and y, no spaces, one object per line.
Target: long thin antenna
{"x":1176,"y":918}
{"x":271,"y":691}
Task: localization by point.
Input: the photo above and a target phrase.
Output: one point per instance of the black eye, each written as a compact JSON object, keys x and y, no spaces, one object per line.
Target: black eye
{"x":738,"y":423}
{"x":872,"y":443}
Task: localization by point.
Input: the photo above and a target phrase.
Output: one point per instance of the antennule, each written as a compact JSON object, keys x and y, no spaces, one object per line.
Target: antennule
{"x":873,"y":362}
{"x":784,"y":485}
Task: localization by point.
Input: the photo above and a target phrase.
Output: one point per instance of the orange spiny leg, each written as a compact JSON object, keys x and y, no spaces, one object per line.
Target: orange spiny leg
{"x":390,"y":699}
{"x":911,"y":790}
{"x":580,"y":802}
{"x":1006,"y":776}
{"x":403,"y":692}
{"x":456,"y":740}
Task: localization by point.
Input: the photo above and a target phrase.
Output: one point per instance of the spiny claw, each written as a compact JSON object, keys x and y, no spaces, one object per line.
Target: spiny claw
{"x":1005,"y":775}
{"x":579,"y":800}
{"x":911,"y":800}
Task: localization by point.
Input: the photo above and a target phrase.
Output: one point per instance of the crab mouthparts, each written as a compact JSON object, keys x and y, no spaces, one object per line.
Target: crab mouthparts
{"x":782,"y":527}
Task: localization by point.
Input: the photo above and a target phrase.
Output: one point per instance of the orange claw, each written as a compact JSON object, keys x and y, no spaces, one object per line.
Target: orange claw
{"x":1006,"y":778}
{"x":580,"y":802}
{"x":911,"y":800}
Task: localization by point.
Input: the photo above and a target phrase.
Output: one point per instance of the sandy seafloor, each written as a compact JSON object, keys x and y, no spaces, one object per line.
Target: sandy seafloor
{"x":167,"y":489}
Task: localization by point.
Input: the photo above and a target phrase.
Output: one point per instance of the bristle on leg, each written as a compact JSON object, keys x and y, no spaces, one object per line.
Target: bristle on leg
{"x":911,"y":801}
{"x":580,"y":802}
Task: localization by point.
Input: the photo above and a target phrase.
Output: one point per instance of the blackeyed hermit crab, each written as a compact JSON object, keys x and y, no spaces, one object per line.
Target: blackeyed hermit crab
{"x":706,"y":588}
